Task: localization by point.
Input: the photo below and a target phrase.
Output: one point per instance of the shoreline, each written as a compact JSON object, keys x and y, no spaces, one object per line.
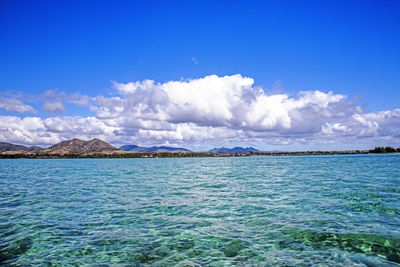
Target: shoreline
{"x":184,"y":154}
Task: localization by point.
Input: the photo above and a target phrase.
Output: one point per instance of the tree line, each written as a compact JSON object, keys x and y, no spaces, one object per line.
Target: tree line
{"x":379,"y":150}
{"x":388,"y":149}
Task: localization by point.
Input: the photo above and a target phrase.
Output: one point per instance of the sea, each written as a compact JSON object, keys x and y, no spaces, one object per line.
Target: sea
{"x":336,"y":210}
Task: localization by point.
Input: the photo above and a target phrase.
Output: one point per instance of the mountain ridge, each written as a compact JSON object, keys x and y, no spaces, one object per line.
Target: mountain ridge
{"x":97,"y":146}
{"x":77,"y":146}
{"x":12,"y":148}
{"x":135,"y":148}
{"x":234,"y":149}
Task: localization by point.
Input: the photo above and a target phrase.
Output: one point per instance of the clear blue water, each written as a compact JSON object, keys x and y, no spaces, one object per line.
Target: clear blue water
{"x":264,"y":211}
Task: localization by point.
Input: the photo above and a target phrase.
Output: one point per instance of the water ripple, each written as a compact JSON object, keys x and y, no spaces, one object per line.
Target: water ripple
{"x":263,"y":211}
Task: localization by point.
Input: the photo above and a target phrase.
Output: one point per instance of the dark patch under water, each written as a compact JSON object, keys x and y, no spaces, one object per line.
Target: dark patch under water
{"x":378,"y":245}
{"x":12,"y":250}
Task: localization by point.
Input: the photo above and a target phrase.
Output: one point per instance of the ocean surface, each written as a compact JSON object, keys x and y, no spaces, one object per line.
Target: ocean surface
{"x":245,"y":211}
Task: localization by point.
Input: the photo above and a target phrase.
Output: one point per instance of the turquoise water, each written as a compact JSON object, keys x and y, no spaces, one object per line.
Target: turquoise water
{"x":263,"y":211}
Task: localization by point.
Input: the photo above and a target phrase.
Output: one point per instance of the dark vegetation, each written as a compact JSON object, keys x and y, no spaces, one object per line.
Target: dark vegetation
{"x":194,"y":154}
{"x":97,"y":148}
{"x":381,"y":149}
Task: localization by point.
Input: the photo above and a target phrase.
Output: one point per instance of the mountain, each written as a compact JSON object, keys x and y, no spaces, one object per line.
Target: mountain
{"x":135,"y":148}
{"x":97,"y":146}
{"x":130,"y":148}
{"x":167,"y":149}
{"x":76,"y":146}
{"x":235,"y":149}
{"x":11,"y":148}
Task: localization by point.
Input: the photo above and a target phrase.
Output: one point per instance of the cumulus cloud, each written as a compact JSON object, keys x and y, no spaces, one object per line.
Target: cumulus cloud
{"x":54,"y":107}
{"x":229,"y":101}
{"x":54,"y":100}
{"x":12,"y":104}
{"x":29,"y":130}
{"x":209,"y":109}
{"x":79,"y":99}
{"x":35,"y":130}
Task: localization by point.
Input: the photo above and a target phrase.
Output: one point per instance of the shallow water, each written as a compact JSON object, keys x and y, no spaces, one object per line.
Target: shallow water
{"x":265,"y":211}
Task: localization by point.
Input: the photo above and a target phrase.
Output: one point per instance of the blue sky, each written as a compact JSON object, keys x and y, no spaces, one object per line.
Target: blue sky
{"x":347,"y":47}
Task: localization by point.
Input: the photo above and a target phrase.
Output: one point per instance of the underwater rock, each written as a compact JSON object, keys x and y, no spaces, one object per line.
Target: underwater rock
{"x":361,"y":243}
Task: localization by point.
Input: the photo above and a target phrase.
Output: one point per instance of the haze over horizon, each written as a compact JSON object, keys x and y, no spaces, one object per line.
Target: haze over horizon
{"x":286,"y":76}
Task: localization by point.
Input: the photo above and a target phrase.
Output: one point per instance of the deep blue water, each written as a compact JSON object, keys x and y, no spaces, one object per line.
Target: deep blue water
{"x":264,"y":211}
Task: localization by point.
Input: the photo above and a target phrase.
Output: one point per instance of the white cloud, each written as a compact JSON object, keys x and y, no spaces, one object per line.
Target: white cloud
{"x":54,"y":100}
{"x":29,"y":130}
{"x":12,"y":104}
{"x":212,"y":109}
{"x":54,"y":107}
{"x":79,"y":99}
{"x":131,"y":87}
{"x":229,"y":101}
{"x":35,"y":130}
{"x":331,"y":128}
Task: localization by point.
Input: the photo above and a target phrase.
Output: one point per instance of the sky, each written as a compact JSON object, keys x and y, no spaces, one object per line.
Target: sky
{"x":285,"y":75}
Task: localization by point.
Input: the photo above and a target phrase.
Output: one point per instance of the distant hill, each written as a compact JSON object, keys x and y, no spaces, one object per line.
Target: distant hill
{"x":235,"y":149}
{"x":135,"y":148}
{"x":76,"y":146}
{"x":97,"y":146}
{"x":11,"y":148}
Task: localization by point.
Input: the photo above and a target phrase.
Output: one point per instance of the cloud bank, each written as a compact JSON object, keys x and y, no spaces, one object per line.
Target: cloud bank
{"x":207,"y":110}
